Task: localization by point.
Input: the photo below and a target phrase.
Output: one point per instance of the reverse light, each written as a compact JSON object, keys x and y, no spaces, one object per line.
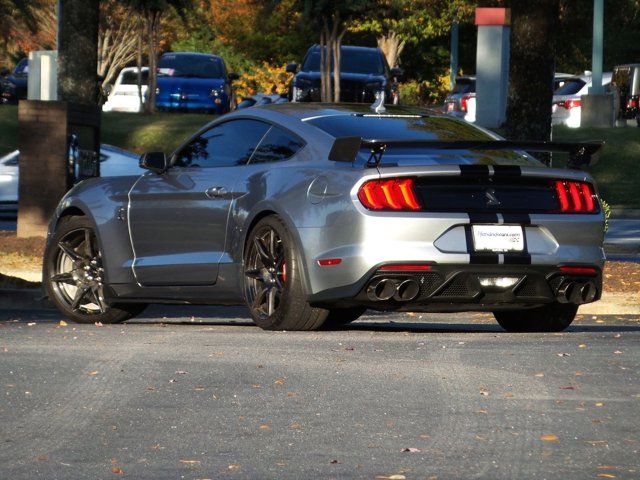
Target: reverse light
{"x":389,"y":194}
{"x":575,"y":197}
{"x":498,"y":282}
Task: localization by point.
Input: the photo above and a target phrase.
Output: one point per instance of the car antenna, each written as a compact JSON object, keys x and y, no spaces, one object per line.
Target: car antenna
{"x":378,"y":105}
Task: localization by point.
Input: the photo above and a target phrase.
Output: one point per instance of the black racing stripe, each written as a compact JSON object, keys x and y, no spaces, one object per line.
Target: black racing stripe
{"x":469,"y":237}
{"x":518,"y":218}
{"x":517,"y":259}
{"x":507,"y":171}
{"x":474,"y":170}
{"x":483,"y":217}
{"x":483,"y":258}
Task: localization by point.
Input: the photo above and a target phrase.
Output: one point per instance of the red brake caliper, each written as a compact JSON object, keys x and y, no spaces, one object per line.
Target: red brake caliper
{"x":284,"y":272}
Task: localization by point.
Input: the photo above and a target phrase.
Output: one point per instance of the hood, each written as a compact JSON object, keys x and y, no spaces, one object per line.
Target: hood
{"x":18,"y":80}
{"x":189,"y":84}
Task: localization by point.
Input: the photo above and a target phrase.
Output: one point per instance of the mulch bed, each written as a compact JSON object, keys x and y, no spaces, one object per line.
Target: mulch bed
{"x":26,"y":254}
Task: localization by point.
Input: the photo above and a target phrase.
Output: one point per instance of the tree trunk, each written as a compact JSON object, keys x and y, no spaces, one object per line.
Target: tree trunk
{"x":392,"y":46}
{"x":153,"y":18}
{"x":78,"y":51}
{"x":531,"y":69}
{"x":325,"y":65}
{"x":139,"y":62}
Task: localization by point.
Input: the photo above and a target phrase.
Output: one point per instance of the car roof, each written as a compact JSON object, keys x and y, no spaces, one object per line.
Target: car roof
{"x":307,"y":110}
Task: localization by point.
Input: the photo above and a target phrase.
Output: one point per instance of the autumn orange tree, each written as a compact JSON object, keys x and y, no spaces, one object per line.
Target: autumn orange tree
{"x":25,"y":26}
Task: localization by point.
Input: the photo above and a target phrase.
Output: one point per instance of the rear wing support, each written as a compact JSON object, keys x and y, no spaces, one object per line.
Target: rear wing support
{"x":346,"y":149}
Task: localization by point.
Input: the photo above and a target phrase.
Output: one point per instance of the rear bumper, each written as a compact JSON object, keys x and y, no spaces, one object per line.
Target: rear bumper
{"x":446,"y":288}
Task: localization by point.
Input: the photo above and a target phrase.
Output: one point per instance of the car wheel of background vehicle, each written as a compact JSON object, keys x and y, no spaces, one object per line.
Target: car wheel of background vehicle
{"x":339,"y":317}
{"x":550,"y":318}
{"x":73,"y":275}
{"x":272,"y":282}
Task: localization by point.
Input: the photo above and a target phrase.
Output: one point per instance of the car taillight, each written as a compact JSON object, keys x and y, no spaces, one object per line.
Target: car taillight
{"x":569,"y":104}
{"x":464,"y":103}
{"x":575,"y":197}
{"x":389,"y":194}
{"x":632,"y":103}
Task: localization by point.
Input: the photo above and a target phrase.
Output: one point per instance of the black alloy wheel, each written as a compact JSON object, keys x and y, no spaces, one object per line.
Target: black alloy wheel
{"x":74,"y":276}
{"x":273,"y":286}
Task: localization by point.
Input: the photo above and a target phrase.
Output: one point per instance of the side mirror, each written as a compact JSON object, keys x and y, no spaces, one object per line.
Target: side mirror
{"x":292,"y":68}
{"x":154,"y":161}
{"x":398,"y":73}
{"x":233,"y":76}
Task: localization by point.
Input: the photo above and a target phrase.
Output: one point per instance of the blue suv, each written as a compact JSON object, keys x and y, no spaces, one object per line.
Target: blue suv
{"x":194,"y":81}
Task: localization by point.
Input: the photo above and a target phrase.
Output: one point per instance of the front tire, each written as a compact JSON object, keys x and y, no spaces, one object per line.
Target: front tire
{"x":273,"y":286}
{"x":550,"y":318}
{"x":73,"y":275}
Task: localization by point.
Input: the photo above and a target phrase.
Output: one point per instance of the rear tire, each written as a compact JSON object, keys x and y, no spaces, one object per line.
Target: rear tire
{"x":74,"y":278}
{"x":273,"y":286}
{"x":555,"y":317}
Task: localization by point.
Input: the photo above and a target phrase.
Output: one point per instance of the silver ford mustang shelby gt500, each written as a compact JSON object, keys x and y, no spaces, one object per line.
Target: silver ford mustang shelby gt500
{"x":312,"y":213}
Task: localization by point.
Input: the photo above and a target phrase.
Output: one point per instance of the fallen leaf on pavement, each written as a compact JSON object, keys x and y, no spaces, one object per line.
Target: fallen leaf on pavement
{"x":189,"y":462}
{"x":549,"y":438}
{"x":569,"y":387}
{"x":117,"y":471}
{"x":563,"y":354}
{"x":31,"y":324}
{"x":617,"y":352}
{"x":181,"y":372}
{"x":279,"y":381}
{"x":539,"y":375}
{"x":599,"y":404}
{"x":94,"y":373}
{"x":98,"y":324}
{"x":43,"y":458}
{"x":62,"y":323}
{"x":411,"y":449}
{"x":605,"y":475}
{"x":265,"y":426}
{"x":582,"y":345}
{"x":484,"y":391}
{"x":295,"y":426}
{"x":234,"y":466}
{"x":333,"y":462}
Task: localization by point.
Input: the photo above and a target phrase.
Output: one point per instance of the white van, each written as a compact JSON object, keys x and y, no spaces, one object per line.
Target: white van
{"x":124,"y":94}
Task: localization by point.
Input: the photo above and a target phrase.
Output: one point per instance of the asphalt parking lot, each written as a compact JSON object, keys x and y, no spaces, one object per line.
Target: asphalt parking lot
{"x":196,"y":393}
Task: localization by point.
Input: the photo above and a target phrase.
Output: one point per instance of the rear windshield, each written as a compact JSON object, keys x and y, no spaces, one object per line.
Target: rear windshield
{"x":190,"y":66}
{"x":380,"y":127}
{"x":131,"y":78}
{"x":570,"y":87}
{"x":351,"y":61}
{"x":464,"y":85}
{"x":22,"y":68}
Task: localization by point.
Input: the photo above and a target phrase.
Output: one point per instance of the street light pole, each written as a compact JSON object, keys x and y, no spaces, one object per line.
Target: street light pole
{"x":598,"y":39}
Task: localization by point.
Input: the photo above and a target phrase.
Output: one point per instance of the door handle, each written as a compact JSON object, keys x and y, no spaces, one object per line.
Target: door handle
{"x":215,"y":192}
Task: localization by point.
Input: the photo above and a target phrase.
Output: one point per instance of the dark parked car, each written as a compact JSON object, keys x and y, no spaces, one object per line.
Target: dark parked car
{"x":13,"y":85}
{"x":364,"y":73}
{"x":300,"y":212}
{"x":194,"y":81}
{"x":626,"y":78}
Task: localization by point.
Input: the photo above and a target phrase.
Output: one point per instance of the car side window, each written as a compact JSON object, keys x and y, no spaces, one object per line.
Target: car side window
{"x":277,"y":145}
{"x":225,"y":145}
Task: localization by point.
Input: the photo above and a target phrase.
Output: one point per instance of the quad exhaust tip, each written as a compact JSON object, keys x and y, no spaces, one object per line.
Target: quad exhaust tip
{"x":382,"y":289}
{"x":576,"y":292}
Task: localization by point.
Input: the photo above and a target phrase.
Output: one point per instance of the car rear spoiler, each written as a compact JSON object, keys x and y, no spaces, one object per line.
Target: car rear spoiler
{"x":346,"y":149}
